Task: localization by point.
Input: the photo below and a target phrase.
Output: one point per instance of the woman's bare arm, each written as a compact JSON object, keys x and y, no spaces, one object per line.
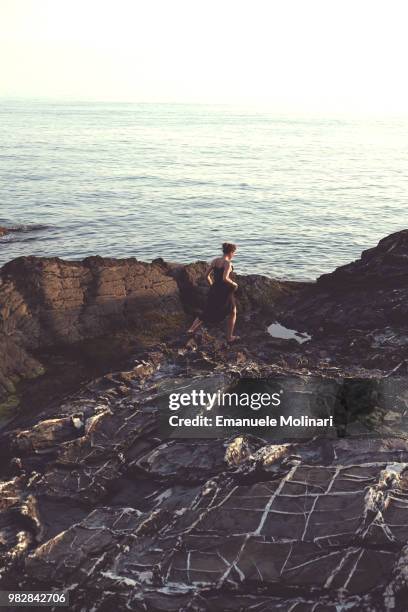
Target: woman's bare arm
{"x":226,"y":275}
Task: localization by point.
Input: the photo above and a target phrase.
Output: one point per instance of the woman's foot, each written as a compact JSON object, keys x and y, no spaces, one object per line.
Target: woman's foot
{"x":196,"y":324}
{"x":233,"y":339}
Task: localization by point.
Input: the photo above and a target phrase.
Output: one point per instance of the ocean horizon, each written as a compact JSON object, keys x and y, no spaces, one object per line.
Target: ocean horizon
{"x":300,"y":196}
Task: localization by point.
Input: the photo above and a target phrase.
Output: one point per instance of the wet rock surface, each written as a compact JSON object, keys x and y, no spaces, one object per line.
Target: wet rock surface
{"x":96,"y":500}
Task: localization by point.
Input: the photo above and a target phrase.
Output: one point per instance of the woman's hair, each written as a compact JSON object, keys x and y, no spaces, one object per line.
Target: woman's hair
{"x":228,"y":247}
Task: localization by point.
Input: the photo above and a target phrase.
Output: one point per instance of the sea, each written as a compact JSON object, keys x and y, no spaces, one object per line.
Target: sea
{"x":300,"y":195}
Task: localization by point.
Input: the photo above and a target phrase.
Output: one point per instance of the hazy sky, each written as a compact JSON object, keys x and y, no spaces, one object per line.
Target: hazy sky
{"x":290,"y":55}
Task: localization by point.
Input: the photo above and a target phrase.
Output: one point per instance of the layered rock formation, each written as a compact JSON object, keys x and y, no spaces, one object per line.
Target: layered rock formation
{"x":97,"y":500}
{"x":50,"y":302}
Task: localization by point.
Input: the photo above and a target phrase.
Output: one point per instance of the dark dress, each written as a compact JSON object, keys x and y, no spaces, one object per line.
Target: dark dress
{"x":220,"y":300}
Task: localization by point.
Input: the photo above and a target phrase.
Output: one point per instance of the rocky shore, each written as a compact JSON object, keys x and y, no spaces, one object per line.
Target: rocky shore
{"x":96,"y":501}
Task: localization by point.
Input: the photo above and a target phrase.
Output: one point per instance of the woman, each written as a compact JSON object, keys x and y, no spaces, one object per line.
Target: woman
{"x":221,"y":298}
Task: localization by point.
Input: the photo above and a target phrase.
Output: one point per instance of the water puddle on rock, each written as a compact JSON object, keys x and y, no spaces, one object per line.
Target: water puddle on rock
{"x":277,"y":330}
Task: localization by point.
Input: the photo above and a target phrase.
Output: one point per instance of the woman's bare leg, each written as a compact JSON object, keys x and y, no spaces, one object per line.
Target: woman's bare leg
{"x":195,"y":325}
{"x":231,"y":324}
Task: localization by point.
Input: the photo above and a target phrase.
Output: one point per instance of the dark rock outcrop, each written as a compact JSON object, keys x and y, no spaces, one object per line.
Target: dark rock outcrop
{"x":358,"y":314}
{"x":369,"y":293}
{"x":383,"y":266}
{"x":22,"y":228}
